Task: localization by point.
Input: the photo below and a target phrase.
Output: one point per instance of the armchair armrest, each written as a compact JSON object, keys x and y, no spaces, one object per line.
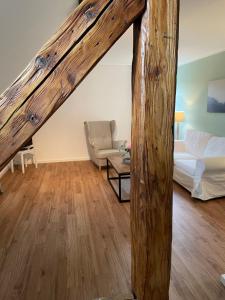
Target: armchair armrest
{"x":210,"y":164}
{"x":118,"y":144}
{"x":179,"y":146}
{"x":91,"y":143}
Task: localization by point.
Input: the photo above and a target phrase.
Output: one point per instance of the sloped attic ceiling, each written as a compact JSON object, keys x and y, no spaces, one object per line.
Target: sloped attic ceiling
{"x":202,"y":29}
{"x":202,"y":32}
{"x":25,"y":25}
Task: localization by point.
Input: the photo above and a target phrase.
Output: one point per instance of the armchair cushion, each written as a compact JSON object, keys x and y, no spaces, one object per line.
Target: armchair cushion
{"x":180,"y":151}
{"x":183,"y":155}
{"x":187,"y":165}
{"x":215,"y":147}
{"x":196,"y":141}
{"x":200,"y":165}
{"x":102,"y":154}
{"x":210,"y":165}
{"x":100,"y":134}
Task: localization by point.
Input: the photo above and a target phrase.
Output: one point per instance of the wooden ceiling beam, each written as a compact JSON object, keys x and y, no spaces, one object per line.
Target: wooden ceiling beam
{"x":50,"y":55}
{"x":59,"y":67}
{"x":154,"y":86}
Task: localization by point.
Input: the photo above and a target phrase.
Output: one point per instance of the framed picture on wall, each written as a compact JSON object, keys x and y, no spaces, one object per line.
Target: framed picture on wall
{"x":216,"y":96}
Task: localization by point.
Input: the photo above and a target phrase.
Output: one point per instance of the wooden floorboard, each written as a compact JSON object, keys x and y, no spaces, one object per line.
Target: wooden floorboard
{"x":198,"y":247}
{"x":63,"y":235}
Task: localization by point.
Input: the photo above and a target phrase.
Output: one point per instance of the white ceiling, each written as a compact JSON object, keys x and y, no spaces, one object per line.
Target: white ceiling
{"x":202,"y":32}
{"x":26,"y":24}
{"x":202,"y":29}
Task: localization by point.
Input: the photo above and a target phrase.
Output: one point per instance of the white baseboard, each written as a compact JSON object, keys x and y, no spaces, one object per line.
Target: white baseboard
{"x":48,"y":161}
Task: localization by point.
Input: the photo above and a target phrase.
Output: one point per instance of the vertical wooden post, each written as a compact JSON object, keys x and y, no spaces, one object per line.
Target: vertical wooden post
{"x":154,"y":85}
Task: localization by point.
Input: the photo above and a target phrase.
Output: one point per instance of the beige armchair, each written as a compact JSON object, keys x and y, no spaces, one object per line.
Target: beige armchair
{"x":99,"y":136}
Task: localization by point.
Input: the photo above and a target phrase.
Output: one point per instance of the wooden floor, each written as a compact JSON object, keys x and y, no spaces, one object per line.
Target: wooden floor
{"x":198,"y":248}
{"x":63,"y":235}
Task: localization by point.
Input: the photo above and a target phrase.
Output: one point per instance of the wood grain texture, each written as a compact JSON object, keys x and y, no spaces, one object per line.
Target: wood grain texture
{"x":26,"y":114}
{"x":119,"y":165}
{"x":154,"y":80}
{"x":50,"y":55}
{"x":64,"y":236}
{"x":198,"y":256}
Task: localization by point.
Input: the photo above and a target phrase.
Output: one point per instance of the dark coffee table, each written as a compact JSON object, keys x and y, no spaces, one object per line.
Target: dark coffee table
{"x":117,"y":172}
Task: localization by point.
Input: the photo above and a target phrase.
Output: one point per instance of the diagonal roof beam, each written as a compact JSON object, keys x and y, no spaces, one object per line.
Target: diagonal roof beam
{"x":59,"y":67}
{"x":50,"y":55}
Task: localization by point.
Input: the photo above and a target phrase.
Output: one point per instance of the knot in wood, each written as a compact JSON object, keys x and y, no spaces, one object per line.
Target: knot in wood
{"x":33,"y":118}
{"x":71,"y":79}
{"x":90,"y":14}
{"x":154,"y":73}
{"x":41,"y":62}
{"x":166,"y":36}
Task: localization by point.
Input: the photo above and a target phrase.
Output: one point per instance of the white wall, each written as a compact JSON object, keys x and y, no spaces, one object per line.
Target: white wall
{"x":25,"y":25}
{"x":104,"y":95}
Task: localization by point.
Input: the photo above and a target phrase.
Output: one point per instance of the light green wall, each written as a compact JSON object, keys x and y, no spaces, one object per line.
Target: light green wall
{"x":192,"y":93}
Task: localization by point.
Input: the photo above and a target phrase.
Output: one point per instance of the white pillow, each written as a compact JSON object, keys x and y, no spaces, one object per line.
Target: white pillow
{"x":215,"y":147}
{"x":196,"y":142}
{"x":187,"y":165}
